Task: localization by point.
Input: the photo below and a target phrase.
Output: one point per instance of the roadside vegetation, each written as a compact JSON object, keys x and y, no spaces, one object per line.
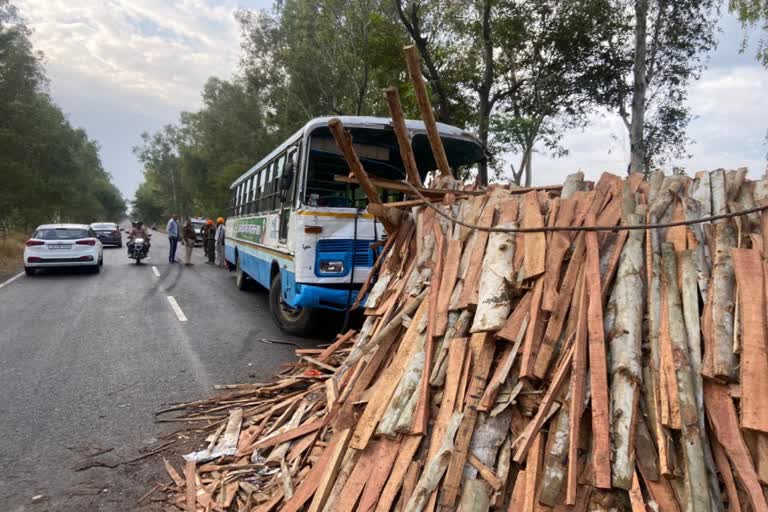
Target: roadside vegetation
{"x":11,"y":250}
{"x":50,"y":171}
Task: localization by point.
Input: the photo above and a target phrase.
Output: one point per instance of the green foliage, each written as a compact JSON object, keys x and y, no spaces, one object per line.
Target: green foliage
{"x":753,"y":14}
{"x":51,"y":171}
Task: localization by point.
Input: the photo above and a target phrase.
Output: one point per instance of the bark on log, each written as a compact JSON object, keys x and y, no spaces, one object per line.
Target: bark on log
{"x":723,"y":360}
{"x":697,"y":479}
{"x":403,"y":139}
{"x":624,"y":341}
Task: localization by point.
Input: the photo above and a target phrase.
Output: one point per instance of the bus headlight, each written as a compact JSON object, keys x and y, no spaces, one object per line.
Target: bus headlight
{"x":332,"y":267}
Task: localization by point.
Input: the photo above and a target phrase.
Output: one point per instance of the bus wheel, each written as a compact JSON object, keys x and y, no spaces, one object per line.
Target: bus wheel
{"x":242,"y":281}
{"x":290,"y":320}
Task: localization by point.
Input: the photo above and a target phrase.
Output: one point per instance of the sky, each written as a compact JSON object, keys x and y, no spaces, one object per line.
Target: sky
{"x":122,"y":67}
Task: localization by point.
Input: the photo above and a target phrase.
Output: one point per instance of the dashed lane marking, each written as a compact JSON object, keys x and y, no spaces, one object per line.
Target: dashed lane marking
{"x":9,"y":281}
{"x":177,"y":309}
{"x":155,"y":271}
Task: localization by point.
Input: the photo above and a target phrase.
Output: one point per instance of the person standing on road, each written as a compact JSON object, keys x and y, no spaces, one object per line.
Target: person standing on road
{"x":188,"y":239}
{"x":220,"y":236}
{"x":204,"y":236}
{"x":173,"y":236}
{"x":210,"y":241}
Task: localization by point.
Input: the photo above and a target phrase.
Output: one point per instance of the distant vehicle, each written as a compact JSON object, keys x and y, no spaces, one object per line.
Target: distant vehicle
{"x":63,"y":245}
{"x":306,"y":236}
{"x":197,"y":225}
{"x":108,"y":233}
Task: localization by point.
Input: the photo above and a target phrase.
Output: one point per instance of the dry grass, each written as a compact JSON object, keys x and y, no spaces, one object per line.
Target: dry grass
{"x":11,"y":250}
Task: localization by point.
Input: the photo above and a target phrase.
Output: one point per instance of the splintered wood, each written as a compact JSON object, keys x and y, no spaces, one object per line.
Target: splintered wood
{"x":576,"y":370}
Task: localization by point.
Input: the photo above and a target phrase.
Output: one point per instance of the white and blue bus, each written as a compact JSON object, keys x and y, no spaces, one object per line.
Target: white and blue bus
{"x":308,"y":238}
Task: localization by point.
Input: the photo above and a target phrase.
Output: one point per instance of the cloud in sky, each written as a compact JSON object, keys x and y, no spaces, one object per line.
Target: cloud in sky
{"x":121,"y":67}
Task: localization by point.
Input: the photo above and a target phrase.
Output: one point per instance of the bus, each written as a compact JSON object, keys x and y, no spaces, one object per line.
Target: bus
{"x":306,"y":237}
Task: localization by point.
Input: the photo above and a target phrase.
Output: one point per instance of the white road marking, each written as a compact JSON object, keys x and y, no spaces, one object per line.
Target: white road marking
{"x":155,"y":271}
{"x":9,"y":281}
{"x":177,"y":309}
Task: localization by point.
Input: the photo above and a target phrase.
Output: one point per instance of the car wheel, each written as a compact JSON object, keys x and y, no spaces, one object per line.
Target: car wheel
{"x":29,"y":271}
{"x":96,"y":268}
{"x":242,"y":281}
{"x":292,"y":321}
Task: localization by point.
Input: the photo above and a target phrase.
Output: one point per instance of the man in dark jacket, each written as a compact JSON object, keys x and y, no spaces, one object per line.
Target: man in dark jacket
{"x":210,"y":242}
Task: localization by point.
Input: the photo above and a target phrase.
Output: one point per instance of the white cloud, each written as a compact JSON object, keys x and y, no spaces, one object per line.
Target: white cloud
{"x":161,"y":49}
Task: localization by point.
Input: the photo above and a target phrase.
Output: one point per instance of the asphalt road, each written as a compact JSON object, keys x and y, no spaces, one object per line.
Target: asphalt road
{"x":87,"y":359}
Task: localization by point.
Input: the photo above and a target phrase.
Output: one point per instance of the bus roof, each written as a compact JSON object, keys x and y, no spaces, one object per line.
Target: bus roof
{"x":413,"y":125}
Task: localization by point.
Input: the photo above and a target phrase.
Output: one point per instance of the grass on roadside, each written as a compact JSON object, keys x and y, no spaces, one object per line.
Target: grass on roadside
{"x":11,"y":250}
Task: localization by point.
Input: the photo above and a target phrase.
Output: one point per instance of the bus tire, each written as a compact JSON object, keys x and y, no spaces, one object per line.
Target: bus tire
{"x":242,"y":281}
{"x":297,"y":322}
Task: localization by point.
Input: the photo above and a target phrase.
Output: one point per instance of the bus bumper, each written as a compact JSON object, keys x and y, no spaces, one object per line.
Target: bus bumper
{"x":313,"y":296}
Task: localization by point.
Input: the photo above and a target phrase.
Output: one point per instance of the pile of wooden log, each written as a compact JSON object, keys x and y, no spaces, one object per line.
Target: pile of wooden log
{"x":527,"y":368}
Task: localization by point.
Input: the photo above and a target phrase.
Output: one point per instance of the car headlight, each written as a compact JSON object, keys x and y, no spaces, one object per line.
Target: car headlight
{"x":332,"y":267}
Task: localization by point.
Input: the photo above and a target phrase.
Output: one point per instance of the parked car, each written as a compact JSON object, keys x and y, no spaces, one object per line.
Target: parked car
{"x":197,"y":225}
{"x":63,"y":245}
{"x":109,"y":233}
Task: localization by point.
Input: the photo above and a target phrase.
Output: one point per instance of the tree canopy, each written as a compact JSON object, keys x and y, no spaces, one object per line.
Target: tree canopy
{"x":51,"y":171}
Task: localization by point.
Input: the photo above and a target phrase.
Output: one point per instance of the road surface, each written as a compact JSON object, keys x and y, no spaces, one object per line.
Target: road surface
{"x":86,"y":360}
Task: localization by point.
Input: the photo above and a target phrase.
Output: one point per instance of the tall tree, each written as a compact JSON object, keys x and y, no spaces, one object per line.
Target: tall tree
{"x":653,"y":50}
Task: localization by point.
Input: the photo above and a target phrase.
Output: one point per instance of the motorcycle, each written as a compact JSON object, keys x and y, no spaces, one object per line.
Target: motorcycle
{"x":138,"y":249}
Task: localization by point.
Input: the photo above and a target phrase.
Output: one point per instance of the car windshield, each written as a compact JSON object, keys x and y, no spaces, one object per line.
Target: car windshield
{"x":104,"y":226}
{"x":61,"y":234}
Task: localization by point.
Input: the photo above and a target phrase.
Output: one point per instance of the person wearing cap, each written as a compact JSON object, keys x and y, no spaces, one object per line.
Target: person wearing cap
{"x":210,"y":241}
{"x":220,"y":236}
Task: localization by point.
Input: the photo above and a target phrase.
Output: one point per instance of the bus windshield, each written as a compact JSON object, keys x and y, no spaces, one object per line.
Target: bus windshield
{"x":380,"y":155}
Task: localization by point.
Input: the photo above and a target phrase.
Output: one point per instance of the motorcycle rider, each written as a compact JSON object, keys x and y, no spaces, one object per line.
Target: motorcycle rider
{"x":138,"y":231}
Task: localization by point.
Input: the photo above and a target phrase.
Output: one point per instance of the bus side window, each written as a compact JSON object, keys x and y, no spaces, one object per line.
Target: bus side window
{"x":262,"y":179}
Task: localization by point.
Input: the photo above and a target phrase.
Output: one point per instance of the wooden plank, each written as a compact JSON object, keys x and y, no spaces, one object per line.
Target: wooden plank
{"x":598,"y":365}
{"x":330,"y":464}
{"x":333,"y":347}
{"x":191,"y":492}
{"x":387,"y":383}
{"x":557,"y":319}
{"x":425,"y":107}
{"x":534,"y":332}
{"x":353,"y":488}
{"x":504,"y":366}
{"x":722,"y":417}
{"x":578,"y":392}
{"x":511,"y":328}
{"x":407,"y":451}
{"x":456,"y":356}
{"x":300,"y":431}
{"x":447,"y":284}
{"x":670,"y":402}
{"x":469,"y":291}
{"x":383,"y":462}
{"x":485,"y":346}
{"x":726,"y":473}
{"x":485,"y":472}
{"x":748,"y":265}
{"x":535,"y":243}
{"x":517,"y":501}
{"x":533,"y":468}
{"x":558,"y":247}
{"x":545,"y":405}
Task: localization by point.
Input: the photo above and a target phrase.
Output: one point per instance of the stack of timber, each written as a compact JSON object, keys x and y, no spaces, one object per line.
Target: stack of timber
{"x":525,"y":370}
{"x":523,"y":350}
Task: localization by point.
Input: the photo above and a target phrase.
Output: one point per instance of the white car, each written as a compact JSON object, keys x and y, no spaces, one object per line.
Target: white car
{"x":63,"y":245}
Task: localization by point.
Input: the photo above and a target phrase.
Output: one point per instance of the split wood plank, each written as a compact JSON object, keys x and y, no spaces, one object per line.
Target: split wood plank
{"x":330,"y":464}
{"x":533,"y":468}
{"x":353,"y":488}
{"x":511,"y":328}
{"x":485,"y":472}
{"x":300,"y":431}
{"x":407,"y":451}
{"x":598,"y":365}
{"x":447,"y":283}
{"x":190,"y":475}
{"x":534,"y":331}
{"x":726,"y":473}
{"x":535,"y":243}
{"x":484,"y":345}
{"x":457,"y":352}
{"x":383,"y":462}
{"x":748,"y":265}
{"x":333,"y":347}
{"x":578,"y":392}
{"x":469,"y":291}
{"x":722,"y":417}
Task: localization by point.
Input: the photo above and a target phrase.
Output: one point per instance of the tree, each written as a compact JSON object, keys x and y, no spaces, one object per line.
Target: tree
{"x":751,"y":14}
{"x":653,"y":50}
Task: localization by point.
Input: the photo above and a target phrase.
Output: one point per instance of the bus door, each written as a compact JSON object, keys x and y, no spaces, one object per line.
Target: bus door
{"x":287,"y":181}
